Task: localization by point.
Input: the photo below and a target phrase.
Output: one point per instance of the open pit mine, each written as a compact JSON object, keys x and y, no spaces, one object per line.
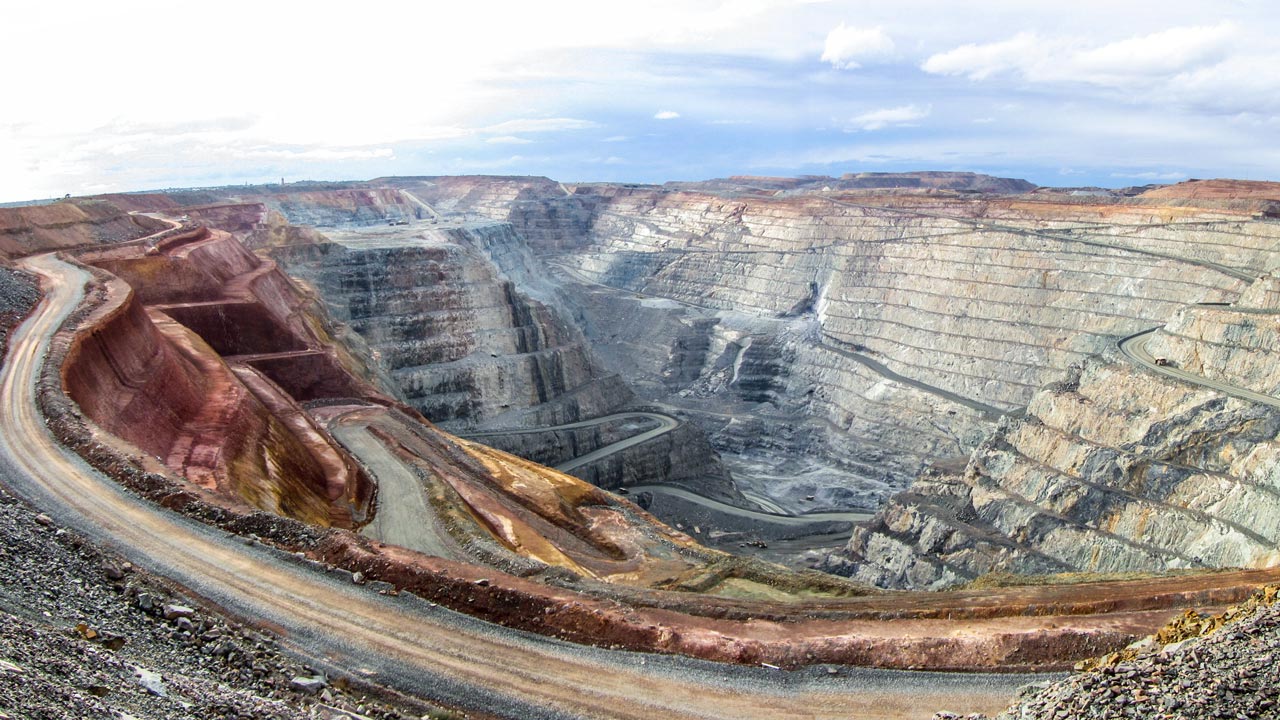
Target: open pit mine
{"x":751,"y":447}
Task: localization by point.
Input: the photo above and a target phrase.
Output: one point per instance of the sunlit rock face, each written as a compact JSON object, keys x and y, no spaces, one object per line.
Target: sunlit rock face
{"x":172,"y":361}
{"x":834,"y":341}
{"x":463,"y":344}
{"x":754,"y":304}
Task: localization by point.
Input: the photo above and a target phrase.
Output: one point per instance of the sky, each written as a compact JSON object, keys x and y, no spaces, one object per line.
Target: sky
{"x":132,"y":95}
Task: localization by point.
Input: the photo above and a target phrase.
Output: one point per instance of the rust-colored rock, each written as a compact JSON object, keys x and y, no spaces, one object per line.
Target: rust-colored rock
{"x":155,"y":368}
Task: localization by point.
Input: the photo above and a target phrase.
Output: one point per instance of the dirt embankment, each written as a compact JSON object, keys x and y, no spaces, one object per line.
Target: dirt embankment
{"x":34,"y":228}
{"x":19,"y":293}
{"x":1218,"y":189}
{"x":164,"y":387}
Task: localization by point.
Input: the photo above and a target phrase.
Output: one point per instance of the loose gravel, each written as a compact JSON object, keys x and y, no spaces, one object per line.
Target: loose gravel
{"x":83,"y":635}
{"x":18,"y":294}
{"x":1233,"y":673}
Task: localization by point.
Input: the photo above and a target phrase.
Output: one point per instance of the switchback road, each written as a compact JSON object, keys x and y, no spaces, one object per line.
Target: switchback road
{"x":1134,"y":347}
{"x":777,"y":519}
{"x":666,"y":424}
{"x":403,"y":642}
{"x":404,"y":516}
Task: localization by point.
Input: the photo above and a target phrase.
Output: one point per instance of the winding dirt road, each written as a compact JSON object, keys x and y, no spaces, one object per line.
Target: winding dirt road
{"x":1134,"y":347}
{"x":774,"y":513}
{"x":776,"y":518}
{"x":403,"y":642}
{"x":666,"y":424}
{"x":404,"y":515}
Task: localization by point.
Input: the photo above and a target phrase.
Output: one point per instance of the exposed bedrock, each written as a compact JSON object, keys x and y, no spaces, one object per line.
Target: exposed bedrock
{"x":66,"y":224}
{"x":1237,"y":344}
{"x":178,"y":392}
{"x":829,"y":344}
{"x":1117,"y":469}
{"x":342,"y":207}
{"x":473,"y":336}
{"x":462,"y":344}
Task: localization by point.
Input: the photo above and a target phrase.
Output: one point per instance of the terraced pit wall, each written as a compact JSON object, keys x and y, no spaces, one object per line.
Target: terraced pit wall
{"x":66,"y":224}
{"x":146,"y":378}
{"x":471,"y":334}
{"x":756,"y":312}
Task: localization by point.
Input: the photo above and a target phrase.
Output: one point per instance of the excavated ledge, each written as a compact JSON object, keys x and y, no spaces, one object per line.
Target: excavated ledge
{"x":1013,"y":628}
{"x":887,"y":636}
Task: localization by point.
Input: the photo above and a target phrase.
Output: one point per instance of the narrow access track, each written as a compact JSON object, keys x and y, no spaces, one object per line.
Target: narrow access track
{"x":773,"y":513}
{"x":777,"y":519}
{"x":666,"y":424}
{"x":421,"y":203}
{"x":403,"y":642}
{"x":404,"y":515}
{"x":988,"y":412}
{"x":1134,"y":348}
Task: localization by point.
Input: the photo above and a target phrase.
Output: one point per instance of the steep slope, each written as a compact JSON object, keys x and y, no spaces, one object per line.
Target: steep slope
{"x":830,"y":343}
{"x":1133,"y":464}
{"x":469,"y":333}
{"x":464,"y":346}
{"x":156,"y":368}
{"x":67,"y":224}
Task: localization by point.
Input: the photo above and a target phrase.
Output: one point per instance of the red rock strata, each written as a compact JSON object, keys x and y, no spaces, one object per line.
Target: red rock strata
{"x":141,"y":375}
{"x":68,"y":224}
{"x":165,"y":387}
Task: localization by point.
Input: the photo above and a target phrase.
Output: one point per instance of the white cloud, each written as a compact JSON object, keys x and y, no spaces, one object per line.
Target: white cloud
{"x":616,"y":138}
{"x":1246,"y":84}
{"x":848,"y":47}
{"x":666,"y":115}
{"x":1151,"y":175}
{"x":979,"y":62}
{"x":531,"y":125}
{"x":1159,"y":53}
{"x":894,"y":116}
{"x":508,"y":140}
{"x":1131,"y":61}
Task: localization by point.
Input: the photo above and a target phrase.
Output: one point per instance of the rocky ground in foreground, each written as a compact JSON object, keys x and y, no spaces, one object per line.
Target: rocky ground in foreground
{"x":18,"y":293}
{"x":1230,"y":673}
{"x":83,"y":635}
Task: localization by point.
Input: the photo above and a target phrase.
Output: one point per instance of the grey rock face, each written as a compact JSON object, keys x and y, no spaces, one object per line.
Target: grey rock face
{"x":464,"y":345}
{"x":1117,"y":470}
{"x":474,"y":337}
{"x":746,"y":311}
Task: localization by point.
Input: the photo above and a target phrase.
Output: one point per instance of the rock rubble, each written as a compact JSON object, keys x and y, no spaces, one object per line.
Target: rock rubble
{"x":1231,"y":673}
{"x":83,"y":635}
